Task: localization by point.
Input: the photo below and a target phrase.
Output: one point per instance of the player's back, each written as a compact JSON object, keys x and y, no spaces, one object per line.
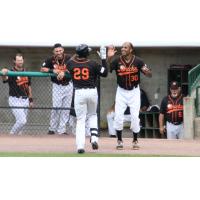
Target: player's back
{"x":84,"y":72}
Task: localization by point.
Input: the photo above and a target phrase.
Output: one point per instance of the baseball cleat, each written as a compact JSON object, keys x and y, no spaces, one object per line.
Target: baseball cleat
{"x":95,"y":145}
{"x":81,"y":151}
{"x":51,"y":132}
{"x":135,"y":145}
{"x":65,"y":133}
{"x":119,"y":145}
{"x":113,"y":136}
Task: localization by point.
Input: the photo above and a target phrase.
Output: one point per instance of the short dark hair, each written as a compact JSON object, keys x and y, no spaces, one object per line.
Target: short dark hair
{"x":18,"y":54}
{"x":57,"y":45}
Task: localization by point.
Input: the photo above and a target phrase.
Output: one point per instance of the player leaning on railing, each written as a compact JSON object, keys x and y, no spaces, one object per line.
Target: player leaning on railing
{"x":20,"y":93}
{"x":62,"y":90}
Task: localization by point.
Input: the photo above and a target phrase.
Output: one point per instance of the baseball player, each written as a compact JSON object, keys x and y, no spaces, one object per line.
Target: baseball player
{"x":171,"y":109}
{"x":62,"y":90}
{"x":20,"y":94}
{"x":127,"y":67}
{"x":84,"y":74}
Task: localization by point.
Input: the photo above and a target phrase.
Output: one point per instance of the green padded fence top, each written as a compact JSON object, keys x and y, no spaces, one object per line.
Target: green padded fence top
{"x":32,"y":74}
{"x":193,"y":78}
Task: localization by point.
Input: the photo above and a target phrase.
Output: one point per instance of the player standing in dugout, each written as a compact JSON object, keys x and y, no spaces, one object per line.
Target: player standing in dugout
{"x":62,"y":90}
{"x":127,"y":67}
{"x":20,"y":93}
{"x":171,"y":109}
{"x":84,"y":74}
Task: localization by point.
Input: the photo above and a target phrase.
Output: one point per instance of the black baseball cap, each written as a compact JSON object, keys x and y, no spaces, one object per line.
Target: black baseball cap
{"x":174,"y":85}
{"x":57,"y":45}
{"x":83,"y":50}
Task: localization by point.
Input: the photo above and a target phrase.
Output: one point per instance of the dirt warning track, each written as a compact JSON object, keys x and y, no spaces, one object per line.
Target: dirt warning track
{"x":56,"y":143}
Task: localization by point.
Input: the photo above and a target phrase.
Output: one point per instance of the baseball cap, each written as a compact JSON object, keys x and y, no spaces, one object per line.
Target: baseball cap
{"x":83,"y":50}
{"x":174,"y":85}
{"x":83,"y":47}
{"x":57,"y":45}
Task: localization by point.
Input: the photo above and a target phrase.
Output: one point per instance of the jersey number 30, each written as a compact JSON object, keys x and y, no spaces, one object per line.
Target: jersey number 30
{"x":81,"y":73}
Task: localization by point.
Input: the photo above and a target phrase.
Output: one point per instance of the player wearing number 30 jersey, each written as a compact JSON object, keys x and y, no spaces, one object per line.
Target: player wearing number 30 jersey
{"x":84,"y":74}
{"x":128,"y":68}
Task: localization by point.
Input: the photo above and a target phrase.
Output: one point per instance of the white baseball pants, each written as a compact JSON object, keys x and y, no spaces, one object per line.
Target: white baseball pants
{"x":123,"y":99}
{"x":20,"y":114}
{"x":110,"y":121}
{"x":61,"y":98}
{"x":72,"y":126}
{"x":85,"y":104}
{"x":174,"y":131}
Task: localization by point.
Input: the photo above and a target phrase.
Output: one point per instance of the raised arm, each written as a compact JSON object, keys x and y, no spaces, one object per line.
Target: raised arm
{"x":111,"y":52}
{"x":103,"y":70}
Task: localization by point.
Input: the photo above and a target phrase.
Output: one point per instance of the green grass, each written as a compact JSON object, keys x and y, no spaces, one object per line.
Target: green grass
{"x":31,"y":154}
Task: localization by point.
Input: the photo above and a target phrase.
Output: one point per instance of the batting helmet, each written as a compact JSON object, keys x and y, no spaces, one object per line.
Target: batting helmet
{"x":83,"y":50}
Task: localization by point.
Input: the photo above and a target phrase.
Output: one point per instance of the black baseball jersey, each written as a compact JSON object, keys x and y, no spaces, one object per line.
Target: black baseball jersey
{"x":18,"y":86}
{"x":53,"y":63}
{"x":172,"y":108}
{"x":128,"y":74}
{"x":85,"y":72}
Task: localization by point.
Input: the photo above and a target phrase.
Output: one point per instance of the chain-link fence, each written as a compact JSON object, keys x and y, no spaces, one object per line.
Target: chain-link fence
{"x":50,"y":112}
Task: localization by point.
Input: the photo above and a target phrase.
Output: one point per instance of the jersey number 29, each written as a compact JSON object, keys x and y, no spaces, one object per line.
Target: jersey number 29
{"x":81,"y":73}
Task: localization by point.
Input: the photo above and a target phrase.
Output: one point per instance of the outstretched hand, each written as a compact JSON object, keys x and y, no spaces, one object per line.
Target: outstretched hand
{"x":102,"y":52}
{"x":4,"y":71}
{"x":111,"y":51}
{"x":60,"y":75}
{"x":44,"y":69}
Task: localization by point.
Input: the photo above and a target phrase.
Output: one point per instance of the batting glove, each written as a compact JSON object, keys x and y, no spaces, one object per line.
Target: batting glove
{"x":102,"y":53}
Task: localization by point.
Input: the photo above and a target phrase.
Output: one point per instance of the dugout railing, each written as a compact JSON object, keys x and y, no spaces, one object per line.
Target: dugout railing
{"x":193,"y":78}
{"x":194,"y":86}
{"x":197,"y":101}
{"x":38,"y":118}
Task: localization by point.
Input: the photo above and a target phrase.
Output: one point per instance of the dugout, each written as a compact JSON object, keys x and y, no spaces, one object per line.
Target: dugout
{"x":158,"y":58}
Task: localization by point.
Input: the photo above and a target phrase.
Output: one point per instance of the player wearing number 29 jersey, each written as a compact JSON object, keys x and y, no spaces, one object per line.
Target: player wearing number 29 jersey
{"x":84,"y":73}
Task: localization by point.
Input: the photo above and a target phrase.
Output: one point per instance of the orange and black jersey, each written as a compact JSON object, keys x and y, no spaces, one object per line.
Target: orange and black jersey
{"x":84,"y":72}
{"x":18,"y":86}
{"x":172,"y":108}
{"x":53,"y":63}
{"x":128,"y":73}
